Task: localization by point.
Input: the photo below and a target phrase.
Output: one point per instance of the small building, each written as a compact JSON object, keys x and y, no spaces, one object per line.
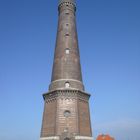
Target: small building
{"x":104,"y":137}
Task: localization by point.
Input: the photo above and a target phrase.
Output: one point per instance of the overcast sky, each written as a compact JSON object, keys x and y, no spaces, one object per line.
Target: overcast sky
{"x":109,"y":41}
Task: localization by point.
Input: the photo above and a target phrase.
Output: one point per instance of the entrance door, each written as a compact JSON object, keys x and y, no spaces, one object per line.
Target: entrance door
{"x":67,"y":139}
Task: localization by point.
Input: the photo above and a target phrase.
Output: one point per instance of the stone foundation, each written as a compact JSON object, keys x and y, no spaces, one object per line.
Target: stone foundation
{"x":75,"y":138}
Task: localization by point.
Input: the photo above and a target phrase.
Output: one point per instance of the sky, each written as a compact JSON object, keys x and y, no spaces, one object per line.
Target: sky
{"x":109,"y":42}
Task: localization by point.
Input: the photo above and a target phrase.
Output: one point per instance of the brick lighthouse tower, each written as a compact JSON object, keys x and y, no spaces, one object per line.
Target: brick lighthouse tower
{"x":66,"y":110}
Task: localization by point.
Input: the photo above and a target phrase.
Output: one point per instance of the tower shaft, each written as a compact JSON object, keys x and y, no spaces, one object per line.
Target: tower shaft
{"x":66,"y":67}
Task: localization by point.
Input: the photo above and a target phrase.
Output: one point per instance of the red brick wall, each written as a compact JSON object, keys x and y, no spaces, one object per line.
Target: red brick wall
{"x":66,"y":122}
{"x":84,"y":119}
{"x":48,"y":126}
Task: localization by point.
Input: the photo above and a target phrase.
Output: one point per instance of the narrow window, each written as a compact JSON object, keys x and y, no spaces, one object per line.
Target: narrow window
{"x":67,"y":51}
{"x":67,"y":34}
{"x":66,"y":130}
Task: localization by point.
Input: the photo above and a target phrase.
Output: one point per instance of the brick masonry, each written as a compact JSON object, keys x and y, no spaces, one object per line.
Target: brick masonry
{"x":55,"y":123}
{"x":66,"y":109}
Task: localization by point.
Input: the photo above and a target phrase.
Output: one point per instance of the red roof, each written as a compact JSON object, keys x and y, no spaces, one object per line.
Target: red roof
{"x":104,"y":137}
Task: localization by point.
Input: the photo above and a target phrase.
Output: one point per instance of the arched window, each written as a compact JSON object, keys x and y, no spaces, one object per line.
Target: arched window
{"x":67,"y":113}
{"x":67,"y":85}
{"x":67,"y":51}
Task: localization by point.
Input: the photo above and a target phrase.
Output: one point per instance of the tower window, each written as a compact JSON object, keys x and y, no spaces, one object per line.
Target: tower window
{"x":67,"y":34}
{"x":67,"y":13}
{"x":67,"y":51}
{"x":67,"y":85}
{"x":67,"y":139}
{"x":67,"y":113}
{"x":66,"y":130}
